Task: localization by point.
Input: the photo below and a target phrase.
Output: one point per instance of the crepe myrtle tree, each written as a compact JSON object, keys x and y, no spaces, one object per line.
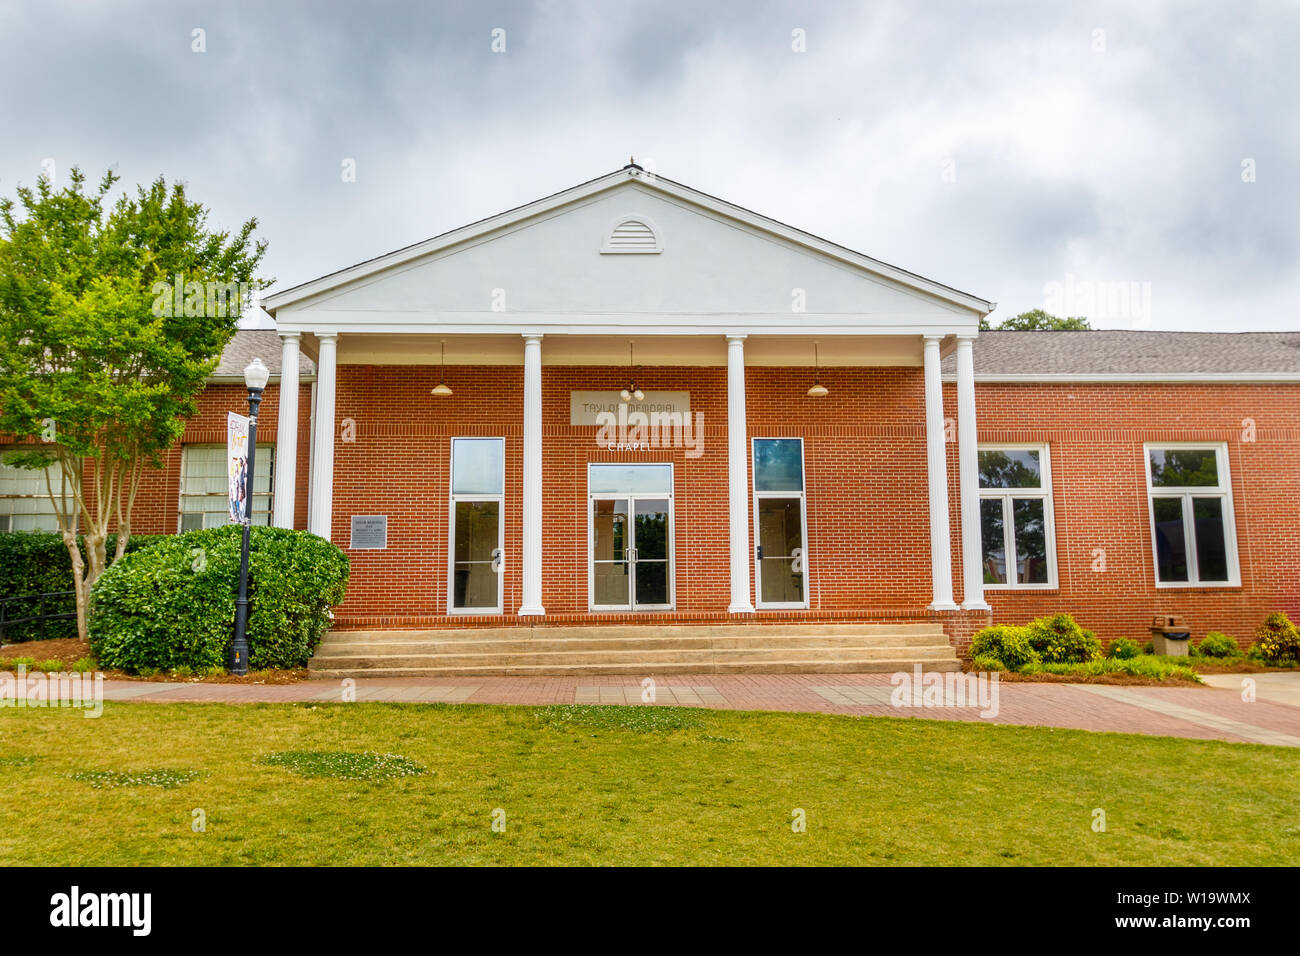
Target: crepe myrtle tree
{"x":100,"y":365}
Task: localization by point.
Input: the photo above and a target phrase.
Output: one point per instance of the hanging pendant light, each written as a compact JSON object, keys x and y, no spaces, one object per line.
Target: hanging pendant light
{"x":441,"y":389}
{"x":631,"y":391}
{"x":818,"y":390}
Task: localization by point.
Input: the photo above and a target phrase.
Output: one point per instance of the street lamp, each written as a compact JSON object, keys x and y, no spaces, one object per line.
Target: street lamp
{"x":255,"y":377}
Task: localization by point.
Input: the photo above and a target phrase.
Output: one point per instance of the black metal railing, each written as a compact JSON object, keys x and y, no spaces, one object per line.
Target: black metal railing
{"x":41,"y":619}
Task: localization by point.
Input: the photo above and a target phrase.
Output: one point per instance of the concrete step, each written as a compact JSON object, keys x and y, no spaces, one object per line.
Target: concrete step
{"x":638,"y":657}
{"x":643,"y":632}
{"x":555,"y":670}
{"x":341,"y":645}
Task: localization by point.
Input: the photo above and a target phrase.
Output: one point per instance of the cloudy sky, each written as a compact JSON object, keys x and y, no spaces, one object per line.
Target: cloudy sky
{"x":1036,"y":154}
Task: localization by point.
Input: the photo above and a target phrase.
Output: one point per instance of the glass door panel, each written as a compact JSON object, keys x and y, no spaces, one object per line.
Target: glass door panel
{"x":476,"y":578}
{"x":650,"y":551}
{"x":610,"y":533}
{"x":780,"y":548}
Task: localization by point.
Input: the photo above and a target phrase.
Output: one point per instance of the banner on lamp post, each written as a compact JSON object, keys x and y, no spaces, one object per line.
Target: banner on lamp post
{"x":237,"y":465}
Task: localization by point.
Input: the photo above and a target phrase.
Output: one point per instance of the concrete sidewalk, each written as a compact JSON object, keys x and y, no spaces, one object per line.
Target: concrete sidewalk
{"x":1211,"y":713}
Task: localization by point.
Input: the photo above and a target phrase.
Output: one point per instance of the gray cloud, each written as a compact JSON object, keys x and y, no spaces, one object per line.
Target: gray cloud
{"x":1122,"y":164}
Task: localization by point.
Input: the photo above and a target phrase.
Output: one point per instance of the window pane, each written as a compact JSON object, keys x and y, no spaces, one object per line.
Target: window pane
{"x":1171,"y":547}
{"x":1027,"y":515}
{"x":1014,"y":468}
{"x":1184,"y":468}
{"x":1211,"y":546}
{"x":477,"y":466}
{"x":629,"y":479}
{"x":478,"y":529}
{"x":23,"y":495}
{"x":778,"y":464}
{"x":205,"y":486}
{"x":991,"y":527}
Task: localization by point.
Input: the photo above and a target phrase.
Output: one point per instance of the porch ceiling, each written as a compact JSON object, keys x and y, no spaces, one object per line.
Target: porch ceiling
{"x":683,"y":350}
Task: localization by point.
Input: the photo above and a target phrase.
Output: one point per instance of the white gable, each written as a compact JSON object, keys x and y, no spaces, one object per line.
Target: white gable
{"x":701,"y":270}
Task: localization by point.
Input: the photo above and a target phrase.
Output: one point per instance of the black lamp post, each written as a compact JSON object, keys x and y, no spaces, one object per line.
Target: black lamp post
{"x":255,"y":377}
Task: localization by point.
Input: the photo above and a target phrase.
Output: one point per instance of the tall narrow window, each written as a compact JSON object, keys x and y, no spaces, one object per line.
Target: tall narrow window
{"x":477,"y":503}
{"x":205,"y":486}
{"x":1193,"y":537}
{"x":1016,"y":518}
{"x":780,"y":523}
{"x":25,"y":503}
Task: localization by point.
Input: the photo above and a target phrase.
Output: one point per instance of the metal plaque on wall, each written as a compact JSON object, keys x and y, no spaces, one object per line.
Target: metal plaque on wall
{"x":369,"y":532}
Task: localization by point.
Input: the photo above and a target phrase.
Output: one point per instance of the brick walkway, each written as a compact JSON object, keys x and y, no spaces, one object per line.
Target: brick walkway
{"x":1212,"y":713}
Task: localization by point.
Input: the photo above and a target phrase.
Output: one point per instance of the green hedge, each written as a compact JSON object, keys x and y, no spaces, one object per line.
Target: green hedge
{"x":173,"y":604}
{"x":36,"y":562}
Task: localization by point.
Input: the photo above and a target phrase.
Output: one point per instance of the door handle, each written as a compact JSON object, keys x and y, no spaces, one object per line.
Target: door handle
{"x":498,"y":560}
{"x":759,"y":551}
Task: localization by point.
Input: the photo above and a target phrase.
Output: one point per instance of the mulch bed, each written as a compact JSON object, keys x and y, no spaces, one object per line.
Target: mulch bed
{"x":70,"y":650}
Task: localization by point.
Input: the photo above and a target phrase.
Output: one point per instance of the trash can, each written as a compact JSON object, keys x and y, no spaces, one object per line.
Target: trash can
{"x":1169,"y":634}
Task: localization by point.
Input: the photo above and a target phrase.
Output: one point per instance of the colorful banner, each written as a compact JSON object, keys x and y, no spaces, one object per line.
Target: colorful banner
{"x":237,"y":465}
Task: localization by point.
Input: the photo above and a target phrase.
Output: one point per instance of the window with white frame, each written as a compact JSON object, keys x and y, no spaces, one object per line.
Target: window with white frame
{"x":1193,"y":536}
{"x":1016,"y":521}
{"x":25,"y":503}
{"x":205,"y":486}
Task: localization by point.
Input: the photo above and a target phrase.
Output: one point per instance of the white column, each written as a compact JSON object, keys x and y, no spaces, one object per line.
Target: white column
{"x":937,"y":470}
{"x":972,"y":564}
{"x":286,"y":432}
{"x":531,"y":561}
{"x":738,"y":476}
{"x":322,"y":473}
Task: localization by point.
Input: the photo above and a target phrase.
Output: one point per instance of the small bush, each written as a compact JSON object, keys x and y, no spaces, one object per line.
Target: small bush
{"x":987,"y":662}
{"x":1059,"y":639}
{"x":1123,"y":649}
{"x":26,"y":663}
{"x":1276,"y":640}
{"x":1149,"y":647}
{"x":50,"y":666}
{"x":172,"y":604}
{"x":1217,"y":644}
{"x":82,"y":665}
{"x":1006,"y":643}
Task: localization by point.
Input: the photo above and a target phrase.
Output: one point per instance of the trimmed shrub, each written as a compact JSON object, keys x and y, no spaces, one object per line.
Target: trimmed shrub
{"x":1123,"y":649}
{"x":172,"y":604}
{"x":1217,"y":644}
{"x":1276,"y":640}
{"x":37,"y":562}
{"x":1005,"y":642}
{"x":1059,"y":639}
{"x":987,"y":662}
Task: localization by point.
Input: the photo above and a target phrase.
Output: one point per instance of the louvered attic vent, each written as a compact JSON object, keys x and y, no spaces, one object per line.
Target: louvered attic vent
{"x":632,"y":234}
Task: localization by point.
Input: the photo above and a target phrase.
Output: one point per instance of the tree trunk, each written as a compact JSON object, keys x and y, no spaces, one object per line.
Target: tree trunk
{"x":79,"y":586}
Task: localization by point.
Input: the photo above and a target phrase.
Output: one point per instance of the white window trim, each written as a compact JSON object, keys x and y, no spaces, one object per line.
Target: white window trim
{"x":631,"y":498}
{"x":803,"y":520}
{"x":1043,"y":491}
{"x":1222,"y":490}
{"x":452,"y":498}
{"x":266,"y":453}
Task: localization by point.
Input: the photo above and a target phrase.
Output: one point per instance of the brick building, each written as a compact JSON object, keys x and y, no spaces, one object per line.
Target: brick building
{"x":632,"y":402}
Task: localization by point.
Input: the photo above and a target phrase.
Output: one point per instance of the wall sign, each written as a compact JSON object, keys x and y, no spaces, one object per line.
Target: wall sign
{"x":369,"y":533}
{"x":586,"y":407}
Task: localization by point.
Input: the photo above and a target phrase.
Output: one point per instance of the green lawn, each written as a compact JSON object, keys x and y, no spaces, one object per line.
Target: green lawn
{"x":623,"y":785}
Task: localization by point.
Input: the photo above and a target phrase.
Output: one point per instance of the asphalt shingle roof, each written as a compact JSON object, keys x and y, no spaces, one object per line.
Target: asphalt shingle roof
{"x":1122,"y":352}
{"x":257,"y":343}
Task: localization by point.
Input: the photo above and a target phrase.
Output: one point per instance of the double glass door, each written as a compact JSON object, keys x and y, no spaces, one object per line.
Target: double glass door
{"x":631,"y":534}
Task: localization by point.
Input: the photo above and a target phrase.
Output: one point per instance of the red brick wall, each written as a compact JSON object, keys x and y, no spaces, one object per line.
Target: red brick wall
{"x":865,"y":477}
{"x":157,"y":506}
{"x":1096,"y":435}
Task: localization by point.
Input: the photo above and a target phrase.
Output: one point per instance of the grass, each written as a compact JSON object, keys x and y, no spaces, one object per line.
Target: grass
{"x":1156,"y":668}
{"x":653,"y":785}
